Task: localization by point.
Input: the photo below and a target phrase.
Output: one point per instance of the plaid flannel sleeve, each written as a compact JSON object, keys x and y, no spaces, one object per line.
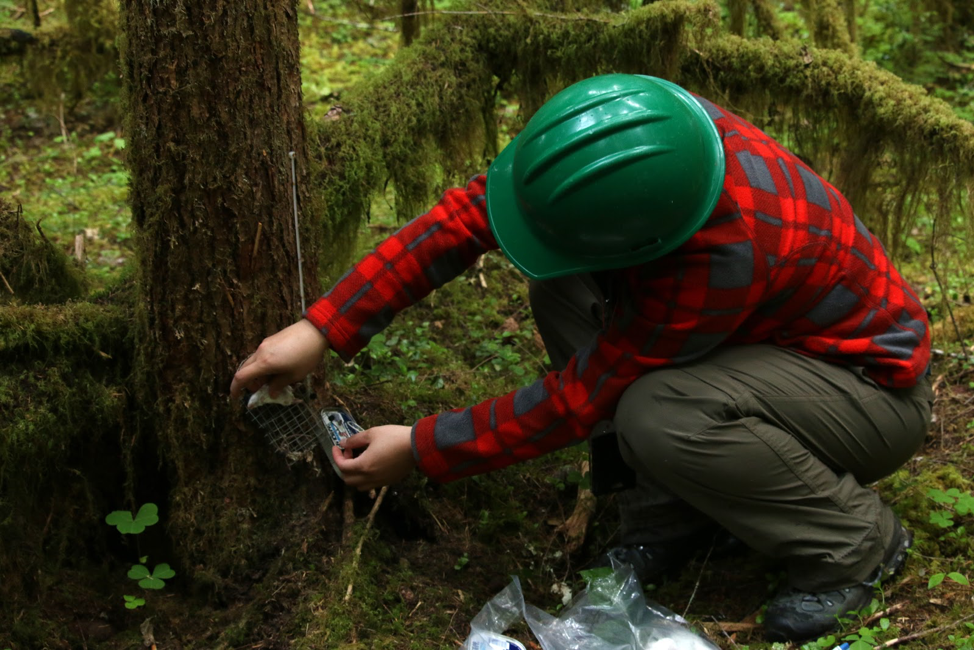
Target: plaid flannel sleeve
{"x":686,"y":305}
{"x":422,"y":256}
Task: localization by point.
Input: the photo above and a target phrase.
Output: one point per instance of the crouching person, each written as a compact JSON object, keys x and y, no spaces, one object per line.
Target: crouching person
{"x":713,"y":309}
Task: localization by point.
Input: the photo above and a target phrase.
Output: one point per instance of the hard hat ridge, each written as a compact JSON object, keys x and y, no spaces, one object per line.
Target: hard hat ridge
{"x":612,"y":171}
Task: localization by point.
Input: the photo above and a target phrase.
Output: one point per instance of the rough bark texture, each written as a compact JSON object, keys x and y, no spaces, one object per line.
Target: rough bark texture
{"x":214,"y":99}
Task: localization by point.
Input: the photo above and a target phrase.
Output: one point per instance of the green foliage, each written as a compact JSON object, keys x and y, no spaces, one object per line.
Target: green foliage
{"x":80,"y":185}
{"x":937,"y":578}
{"x":132,"y":602}
{"x":156,"y":579}
{"x":147,"y":515}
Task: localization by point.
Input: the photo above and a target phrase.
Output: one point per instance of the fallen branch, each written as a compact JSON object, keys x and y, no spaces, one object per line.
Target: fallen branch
{"x":5,"y":283}
{"x":361,"y":541}
{"x":886,"y":612}
{"x":918,"y":635}
{"x":693,"y":594}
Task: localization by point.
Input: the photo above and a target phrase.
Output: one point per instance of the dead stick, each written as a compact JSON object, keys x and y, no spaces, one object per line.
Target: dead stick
{"x":361,"y":542}
{"x":348,"y":517}
{"x":917,"y":635}
{"x":5,"y":283}
{"x":720,"y":626}
{"x":253,"y":253}
{"x":886,"y":612}
{"x":699,"y":578}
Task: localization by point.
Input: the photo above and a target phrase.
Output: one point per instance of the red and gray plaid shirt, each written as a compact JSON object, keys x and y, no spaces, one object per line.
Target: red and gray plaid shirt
{"x":781,"y":260}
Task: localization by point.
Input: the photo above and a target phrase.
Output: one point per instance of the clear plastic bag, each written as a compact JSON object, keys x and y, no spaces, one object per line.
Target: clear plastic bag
{"x":610,"y":614}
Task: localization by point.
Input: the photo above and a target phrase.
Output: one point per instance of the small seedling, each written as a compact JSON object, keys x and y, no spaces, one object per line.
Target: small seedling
{"x":937,"y":578}
{"x":122,"y":519}
{"x":155,"y":580}
{"x":126,"y":524}
{"x":131,"y":602}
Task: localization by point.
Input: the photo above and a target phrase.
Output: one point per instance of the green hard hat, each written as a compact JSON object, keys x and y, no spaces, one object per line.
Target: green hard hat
{"x":611,"y":172}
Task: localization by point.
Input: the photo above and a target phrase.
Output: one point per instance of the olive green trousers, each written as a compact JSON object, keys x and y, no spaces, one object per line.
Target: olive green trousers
{"x":776,"y":447}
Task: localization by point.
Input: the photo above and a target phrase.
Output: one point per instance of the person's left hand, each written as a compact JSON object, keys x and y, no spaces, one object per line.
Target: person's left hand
{"x":387,"y":456}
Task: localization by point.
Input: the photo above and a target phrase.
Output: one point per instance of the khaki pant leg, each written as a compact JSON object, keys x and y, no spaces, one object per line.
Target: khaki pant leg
{"x":777,"y":448}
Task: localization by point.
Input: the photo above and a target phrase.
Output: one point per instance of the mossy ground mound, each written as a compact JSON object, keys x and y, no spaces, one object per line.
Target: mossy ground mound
{"x":33,"y":269}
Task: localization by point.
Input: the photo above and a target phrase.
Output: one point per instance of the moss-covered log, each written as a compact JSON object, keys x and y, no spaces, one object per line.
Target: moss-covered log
{"x":895,"y":151}
{"x":429,"y":118}
{"x":63,"y":400}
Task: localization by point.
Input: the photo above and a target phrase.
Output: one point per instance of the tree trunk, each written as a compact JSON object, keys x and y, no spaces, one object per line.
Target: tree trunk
{"x":214,"y":99}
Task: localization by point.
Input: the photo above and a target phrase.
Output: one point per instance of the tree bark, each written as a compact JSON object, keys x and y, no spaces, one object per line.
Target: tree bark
{"x":214,"y":99}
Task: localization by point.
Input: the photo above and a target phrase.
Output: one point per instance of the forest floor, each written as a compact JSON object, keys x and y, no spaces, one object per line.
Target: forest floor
{"x":416,"y":574}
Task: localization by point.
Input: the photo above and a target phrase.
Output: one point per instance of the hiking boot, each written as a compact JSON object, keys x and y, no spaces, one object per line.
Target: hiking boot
{"x":651,"y":562}
{"x":795,"y":615}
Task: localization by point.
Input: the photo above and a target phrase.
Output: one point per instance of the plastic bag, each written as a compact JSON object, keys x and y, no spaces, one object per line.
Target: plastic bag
{"x":610,"y":614}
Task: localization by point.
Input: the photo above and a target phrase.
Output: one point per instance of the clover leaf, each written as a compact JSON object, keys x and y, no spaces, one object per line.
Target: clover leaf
{"x":154,"y":580}
{"x":122,"y":519}
{"x":131,"y":602}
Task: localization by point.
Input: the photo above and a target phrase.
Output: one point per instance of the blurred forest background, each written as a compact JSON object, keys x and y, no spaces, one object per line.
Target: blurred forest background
{"x":147,"y":244}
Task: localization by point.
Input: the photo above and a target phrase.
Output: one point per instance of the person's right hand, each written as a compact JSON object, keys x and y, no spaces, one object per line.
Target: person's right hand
{"x":281,"y":359}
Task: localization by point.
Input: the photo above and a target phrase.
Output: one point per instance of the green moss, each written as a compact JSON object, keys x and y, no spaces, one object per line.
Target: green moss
{"x":894,"y":151}
{"x":71,"y":55}
{"x":33,"y":269}
{"x":84,"y":332}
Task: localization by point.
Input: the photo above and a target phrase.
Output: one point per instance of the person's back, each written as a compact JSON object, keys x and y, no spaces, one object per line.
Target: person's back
{"x":760,"y":362}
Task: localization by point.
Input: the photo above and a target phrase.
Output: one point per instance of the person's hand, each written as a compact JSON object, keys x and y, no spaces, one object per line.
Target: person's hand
{"x":387,"y":457}
{"x":281,"y":359}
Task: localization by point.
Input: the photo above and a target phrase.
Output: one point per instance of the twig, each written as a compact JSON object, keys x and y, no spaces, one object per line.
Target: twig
{"x":253,"y":252}
{"x":5,"y":283}
{"x":699,"y":578}
{"x":918,"y":635}
{"x":886,"y":612}
{"x":720,"y":627}
{"x":348,"y":516}
{"x":79,"y":247}
{"x":361,"y":542}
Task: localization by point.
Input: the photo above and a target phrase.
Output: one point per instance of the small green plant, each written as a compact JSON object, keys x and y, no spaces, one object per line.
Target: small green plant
{"x":126,"y":524}
{"x":462,"y":561}
{"x":956,"y":502}
{"x":131,"y":602}
{"x":154,"y":580}
{"x":963,"y":642}
{"x":937,"y":578}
